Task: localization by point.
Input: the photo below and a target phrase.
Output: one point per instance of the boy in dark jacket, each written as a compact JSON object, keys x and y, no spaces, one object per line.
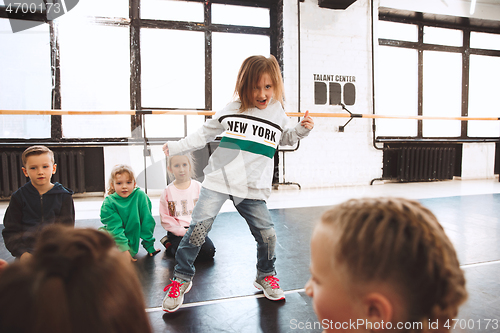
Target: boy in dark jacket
{"x":36,"y":204}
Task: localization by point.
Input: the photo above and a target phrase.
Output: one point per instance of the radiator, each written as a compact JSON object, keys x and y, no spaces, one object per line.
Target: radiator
{"x":70,"y":171}
{"x":425,"y":163}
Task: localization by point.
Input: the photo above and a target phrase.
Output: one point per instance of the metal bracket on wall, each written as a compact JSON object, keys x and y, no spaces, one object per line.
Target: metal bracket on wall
{"x":353,"y":115}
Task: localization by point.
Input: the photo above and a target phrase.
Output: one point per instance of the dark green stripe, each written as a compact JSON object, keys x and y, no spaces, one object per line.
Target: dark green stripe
{"x":252,"y":147}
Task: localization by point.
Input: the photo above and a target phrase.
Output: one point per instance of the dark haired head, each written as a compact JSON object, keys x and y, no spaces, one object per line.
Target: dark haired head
{"x":76,"y":282}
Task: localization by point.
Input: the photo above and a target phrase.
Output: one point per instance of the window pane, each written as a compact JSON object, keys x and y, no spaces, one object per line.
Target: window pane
{"x":173,"y":77}
{"x":171,"y":126}
{"x":172,"y":10}
{"x":441,"y":36}
{"x":397,"y":90}
{"x":194,"y":122}
{"x":161,"y":126}
{"x":25,"y":81}
{"x":398,"y":31}
{"x":240,"y":15}
{"x":229,"y":51}
{"x":108,"y":8}
{"x":442,"y":93}
{"x":481,"y":40}
{"x":95,"y":75}
{"x":484,"y":96}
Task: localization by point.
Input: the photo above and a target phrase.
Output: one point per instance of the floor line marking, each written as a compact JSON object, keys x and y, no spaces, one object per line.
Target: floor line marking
{"x":223,"y":300}
{"x":484,"y":263}
{"x":229,"y":299}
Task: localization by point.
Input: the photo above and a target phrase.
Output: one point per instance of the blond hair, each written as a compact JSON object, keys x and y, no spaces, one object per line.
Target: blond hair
{"x":35,"y":151}
{"x":250,"y":72}
{"x":118,"y":170}
{"x":399,"y":241}
{"x":191,"y":162}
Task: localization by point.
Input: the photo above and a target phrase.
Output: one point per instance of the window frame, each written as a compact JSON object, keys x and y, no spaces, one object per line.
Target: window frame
{"x":466,"y":25}
{"x":135,"y":23}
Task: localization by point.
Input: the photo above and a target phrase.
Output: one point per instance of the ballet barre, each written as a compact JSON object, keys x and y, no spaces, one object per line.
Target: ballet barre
{"x":211,"y":113}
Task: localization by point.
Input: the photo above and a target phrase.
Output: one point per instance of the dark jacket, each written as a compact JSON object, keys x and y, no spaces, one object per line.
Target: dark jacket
{"x":29,"y":212}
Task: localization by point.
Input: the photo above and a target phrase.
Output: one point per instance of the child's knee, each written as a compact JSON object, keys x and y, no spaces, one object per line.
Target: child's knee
{"x":200,"y":232}
{"x":269,"y":238}
{"x":268,"y":235}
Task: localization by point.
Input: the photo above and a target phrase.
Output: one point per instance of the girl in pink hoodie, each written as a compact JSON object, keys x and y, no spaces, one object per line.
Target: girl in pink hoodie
{"x":177,"y":203}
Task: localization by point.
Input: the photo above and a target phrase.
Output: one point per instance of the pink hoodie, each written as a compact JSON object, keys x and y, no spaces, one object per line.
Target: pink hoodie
{"x":176,"y":207}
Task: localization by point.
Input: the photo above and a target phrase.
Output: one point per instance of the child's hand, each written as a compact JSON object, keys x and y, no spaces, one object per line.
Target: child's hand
{"x":165,"y":149}
{"x":154,"y":253}
{"x":307,"y":121}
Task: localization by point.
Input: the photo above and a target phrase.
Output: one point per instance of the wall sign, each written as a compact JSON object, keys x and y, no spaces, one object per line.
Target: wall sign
{"x":334,"y":89}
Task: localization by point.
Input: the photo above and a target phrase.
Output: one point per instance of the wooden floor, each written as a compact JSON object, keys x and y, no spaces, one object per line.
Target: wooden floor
{"x":223,"y":298}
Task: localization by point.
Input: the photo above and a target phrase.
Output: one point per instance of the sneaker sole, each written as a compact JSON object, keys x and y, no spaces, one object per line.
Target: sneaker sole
{"x":182,"y":302}
{"x":258,"y":286}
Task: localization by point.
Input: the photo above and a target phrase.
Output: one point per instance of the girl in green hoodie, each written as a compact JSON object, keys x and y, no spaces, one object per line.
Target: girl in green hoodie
{"x":126,"y":213}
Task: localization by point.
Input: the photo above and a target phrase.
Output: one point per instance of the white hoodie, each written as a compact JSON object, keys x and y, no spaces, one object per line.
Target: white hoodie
{"x":242,"y":165}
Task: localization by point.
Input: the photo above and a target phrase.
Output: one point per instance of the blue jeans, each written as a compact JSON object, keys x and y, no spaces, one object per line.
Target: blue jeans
{"x":256,"y":214}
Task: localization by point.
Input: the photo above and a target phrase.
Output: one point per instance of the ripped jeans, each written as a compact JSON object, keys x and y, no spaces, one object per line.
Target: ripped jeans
{"x":256,"y":214}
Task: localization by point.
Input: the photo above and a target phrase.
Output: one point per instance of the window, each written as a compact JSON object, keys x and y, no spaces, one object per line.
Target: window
{"x":442,"y":93}
{"x":434,"y":66}
{"x":397,"y":91}
{"x":134,"y":55}
{"x":95,"y":75}
{"x":25,"y":82}
{"x":194,"y":67}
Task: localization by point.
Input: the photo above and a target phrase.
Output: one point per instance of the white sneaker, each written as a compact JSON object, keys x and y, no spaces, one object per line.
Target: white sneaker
{"x":175,"y":294}
{"x":269,"y":285}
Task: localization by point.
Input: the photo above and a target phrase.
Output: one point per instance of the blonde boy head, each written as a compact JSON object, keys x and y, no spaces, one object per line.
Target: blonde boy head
{"x":392,"y":261}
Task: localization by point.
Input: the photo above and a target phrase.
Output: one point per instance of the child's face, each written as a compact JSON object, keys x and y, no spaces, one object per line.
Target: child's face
{"x":39,"y":168}
{"x":180,"y":167}
{"x":333,"y":301}
{"x":123,"y":185}
{"x":263,"y":92}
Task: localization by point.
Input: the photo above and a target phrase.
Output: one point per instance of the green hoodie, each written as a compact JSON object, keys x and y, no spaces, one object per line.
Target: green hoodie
{"x":128,"y":220}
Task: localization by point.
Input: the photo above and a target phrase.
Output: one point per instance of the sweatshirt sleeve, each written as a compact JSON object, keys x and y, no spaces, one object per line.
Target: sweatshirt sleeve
{"x":67,"y":213}
{"x":291,"y":135}
{"x":114,"y":224}
{"x":168,"y":222}
{"x":197,"y":140}
{"x":148,"y":223}
{"x":13,"y":231}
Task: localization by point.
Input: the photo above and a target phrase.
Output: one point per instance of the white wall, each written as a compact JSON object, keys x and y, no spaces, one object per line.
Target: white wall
{"x":333,"y":42}
{"x":478,"y":160}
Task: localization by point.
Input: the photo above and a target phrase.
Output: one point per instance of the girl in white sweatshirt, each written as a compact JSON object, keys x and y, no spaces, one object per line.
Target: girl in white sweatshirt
{"x":241,"y":170}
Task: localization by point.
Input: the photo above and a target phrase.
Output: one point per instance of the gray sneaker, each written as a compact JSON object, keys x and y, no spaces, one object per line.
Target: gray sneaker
{"x":175,"y":294}
{"x":269,"y":285}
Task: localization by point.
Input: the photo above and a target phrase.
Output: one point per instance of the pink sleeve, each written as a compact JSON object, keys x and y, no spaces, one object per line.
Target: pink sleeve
{"x":169,"y":222}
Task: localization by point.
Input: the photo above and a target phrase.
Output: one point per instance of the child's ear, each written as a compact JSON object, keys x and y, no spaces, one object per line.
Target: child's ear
{"x":25,"y":172}
{"x":54,"y":168}
{"x":378,"y":309}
